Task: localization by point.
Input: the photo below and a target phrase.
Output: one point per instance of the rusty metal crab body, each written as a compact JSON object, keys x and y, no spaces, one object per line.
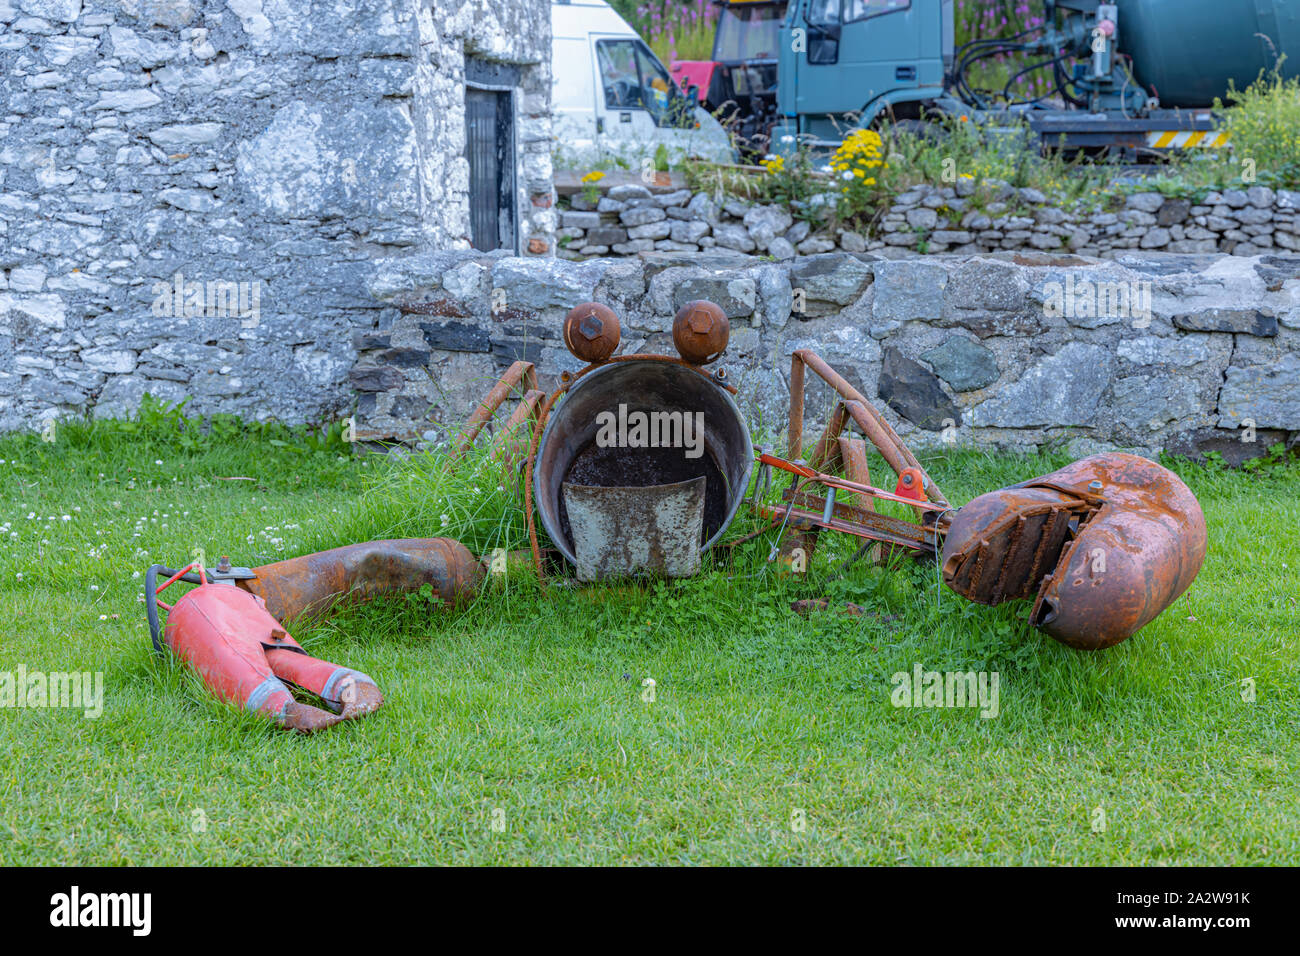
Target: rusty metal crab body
{"x":1101,"y":547}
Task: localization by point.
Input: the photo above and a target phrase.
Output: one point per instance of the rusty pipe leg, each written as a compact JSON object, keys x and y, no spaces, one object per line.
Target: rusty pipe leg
{"x":853,"y":452}
{"x":511,"y":443}
{"x":870,"y":420}
{"x":309,"y":585}
{"x":795,"y":431}
{"x":519,"y":374}
{"x":1106,"y":544}
{"x":826,"y":453}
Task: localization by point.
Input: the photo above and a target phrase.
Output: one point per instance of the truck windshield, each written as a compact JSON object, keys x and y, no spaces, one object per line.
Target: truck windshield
{"x":748,"y":31}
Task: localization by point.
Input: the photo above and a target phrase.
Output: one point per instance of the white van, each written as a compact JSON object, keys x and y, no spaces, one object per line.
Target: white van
{"x":614,"y":101}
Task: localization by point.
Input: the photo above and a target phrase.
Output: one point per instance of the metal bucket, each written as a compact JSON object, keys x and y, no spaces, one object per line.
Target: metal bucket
{"x":637,"y":427}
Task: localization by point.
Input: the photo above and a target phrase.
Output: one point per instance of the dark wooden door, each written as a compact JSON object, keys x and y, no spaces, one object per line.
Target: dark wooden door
{"x":489,"y":147}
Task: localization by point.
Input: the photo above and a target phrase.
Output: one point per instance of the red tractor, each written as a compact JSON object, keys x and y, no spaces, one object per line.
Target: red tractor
{"x":738,"y":85}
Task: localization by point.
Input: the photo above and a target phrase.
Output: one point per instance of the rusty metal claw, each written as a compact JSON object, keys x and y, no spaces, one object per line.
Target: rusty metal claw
{"x":1105,"y":544}
{"x":229,"y":628}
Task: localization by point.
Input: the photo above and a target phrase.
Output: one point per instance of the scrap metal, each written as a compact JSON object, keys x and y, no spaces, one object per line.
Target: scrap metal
{"x":229,"y":631}
{"x":1101,"y":546}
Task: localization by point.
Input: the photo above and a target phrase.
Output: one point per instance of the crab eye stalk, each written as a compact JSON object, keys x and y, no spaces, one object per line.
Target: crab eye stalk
{"x":591,"y":332}
{"x":700,"y":332}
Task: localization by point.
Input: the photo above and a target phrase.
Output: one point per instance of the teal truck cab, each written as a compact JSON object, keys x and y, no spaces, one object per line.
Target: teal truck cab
{"x":845,"y":63}
{"x":1137,"y":76}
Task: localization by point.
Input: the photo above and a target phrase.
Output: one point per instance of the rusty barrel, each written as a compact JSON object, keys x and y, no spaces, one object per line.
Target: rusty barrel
{"x":612,"y":448}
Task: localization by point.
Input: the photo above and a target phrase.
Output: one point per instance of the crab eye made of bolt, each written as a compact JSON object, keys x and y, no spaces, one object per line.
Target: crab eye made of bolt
{"x":700,"y":331}
{"x":591,"y":332}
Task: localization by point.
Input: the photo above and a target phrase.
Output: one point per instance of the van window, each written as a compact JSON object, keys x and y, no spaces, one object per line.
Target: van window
{"x":862,"y":9}
{"x":634,"y":79}
{"x":619,"y":74}
{"x":657,"y":86}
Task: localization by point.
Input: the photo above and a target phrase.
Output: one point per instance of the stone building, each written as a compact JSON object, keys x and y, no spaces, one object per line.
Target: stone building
{"x":192,"y":191}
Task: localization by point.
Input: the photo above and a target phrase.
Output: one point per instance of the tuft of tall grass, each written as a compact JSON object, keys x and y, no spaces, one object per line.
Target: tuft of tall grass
{"x":1263,"y":125}
{"x":475,"y":499}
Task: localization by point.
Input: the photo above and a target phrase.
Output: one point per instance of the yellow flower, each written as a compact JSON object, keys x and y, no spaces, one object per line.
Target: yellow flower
{"x":594,"y":176}
{"x":862,"y":148}
{"x":774,"y":165}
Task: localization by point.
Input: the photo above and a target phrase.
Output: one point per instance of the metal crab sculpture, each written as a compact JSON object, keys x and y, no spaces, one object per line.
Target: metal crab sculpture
{"x":638,"y":463}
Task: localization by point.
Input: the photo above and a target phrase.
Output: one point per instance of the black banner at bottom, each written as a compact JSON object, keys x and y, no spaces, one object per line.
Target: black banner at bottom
{"x":192,"y":905}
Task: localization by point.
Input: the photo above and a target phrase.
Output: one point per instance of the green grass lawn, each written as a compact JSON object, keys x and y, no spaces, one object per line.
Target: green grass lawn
{"x":526,"y":709}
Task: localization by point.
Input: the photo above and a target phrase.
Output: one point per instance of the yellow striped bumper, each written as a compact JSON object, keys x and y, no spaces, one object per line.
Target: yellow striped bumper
{"x":1185,"y":139}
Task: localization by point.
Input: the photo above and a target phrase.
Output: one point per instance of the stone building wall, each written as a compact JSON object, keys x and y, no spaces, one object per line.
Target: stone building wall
{"x":511,"y":32}
{"x":192,"y":191}
{"x":1147,"y":351}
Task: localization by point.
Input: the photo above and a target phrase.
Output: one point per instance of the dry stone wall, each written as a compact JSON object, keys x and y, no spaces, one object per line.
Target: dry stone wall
{"x":962,"y":218}
{"x":233,"y":202}
{"x":1146,"y":351}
